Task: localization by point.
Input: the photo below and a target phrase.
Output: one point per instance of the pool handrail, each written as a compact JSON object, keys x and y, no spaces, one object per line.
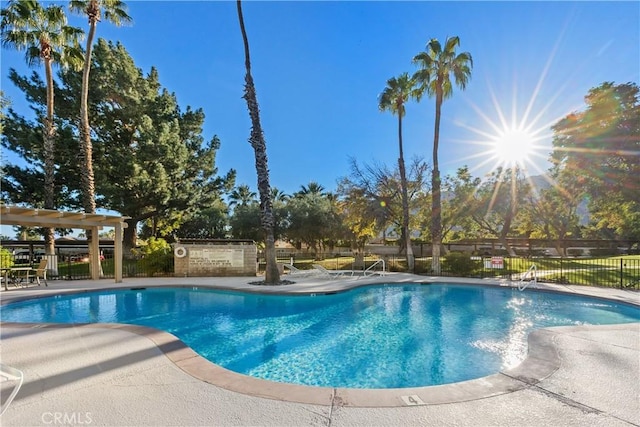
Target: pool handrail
{"x":371,"y":273}
{"x":522,"y":285}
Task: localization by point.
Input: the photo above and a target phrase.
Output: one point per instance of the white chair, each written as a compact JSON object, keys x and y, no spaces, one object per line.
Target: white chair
{"x":296,"y":272}
{"x":332,"y":273}
{"x":10,"y":379}
{"x":30,"y":274}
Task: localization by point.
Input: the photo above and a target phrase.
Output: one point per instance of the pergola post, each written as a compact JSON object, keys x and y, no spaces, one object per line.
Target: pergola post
{"x":117,"y":252}
{"x":94,"y":250}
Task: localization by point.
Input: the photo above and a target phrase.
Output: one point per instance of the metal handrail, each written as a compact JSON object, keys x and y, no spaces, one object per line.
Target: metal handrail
{"x":522,"y":285}
{"x":384,"y":268}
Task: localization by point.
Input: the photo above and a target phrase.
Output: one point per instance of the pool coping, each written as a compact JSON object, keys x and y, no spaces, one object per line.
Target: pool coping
{"x":542,"y":359}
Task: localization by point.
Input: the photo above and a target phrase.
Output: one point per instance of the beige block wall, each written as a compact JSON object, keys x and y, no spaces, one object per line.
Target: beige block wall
{"x":216,"y":260}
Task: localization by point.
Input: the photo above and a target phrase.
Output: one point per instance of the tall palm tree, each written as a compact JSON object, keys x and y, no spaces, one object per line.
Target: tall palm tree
{"x":436,"y":65}
{"x":256,"y":139}
{"x":393,"y":98}
{"x":43,"y":33}
{"x":113,"y":11}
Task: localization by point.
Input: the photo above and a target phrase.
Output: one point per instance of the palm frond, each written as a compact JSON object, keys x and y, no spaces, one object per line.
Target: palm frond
{"x":451,"y":43}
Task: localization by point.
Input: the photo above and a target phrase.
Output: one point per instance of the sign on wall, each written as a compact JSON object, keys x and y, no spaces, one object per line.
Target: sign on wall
{"x":217,"y":257}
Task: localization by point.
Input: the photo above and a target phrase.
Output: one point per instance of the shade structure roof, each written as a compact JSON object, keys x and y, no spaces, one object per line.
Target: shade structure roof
{"x":18,"y":215}
{"x":30,"y":217}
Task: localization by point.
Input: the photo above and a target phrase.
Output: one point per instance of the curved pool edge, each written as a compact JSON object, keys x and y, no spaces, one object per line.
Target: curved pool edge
{"x":541,"y":362}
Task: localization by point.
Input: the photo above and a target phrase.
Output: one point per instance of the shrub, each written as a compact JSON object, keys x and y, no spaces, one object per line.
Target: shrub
{"x":460,"y":263}
{"x":598,"y":252}
{"x":156,"y":256}
{"x":6,"y":259}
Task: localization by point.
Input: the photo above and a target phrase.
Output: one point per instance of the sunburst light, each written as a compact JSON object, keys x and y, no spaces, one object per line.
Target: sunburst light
{"x":513,"y":146}
{"x":510,"y":142}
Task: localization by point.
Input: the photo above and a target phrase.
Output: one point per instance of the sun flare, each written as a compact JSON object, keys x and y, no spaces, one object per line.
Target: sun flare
{"x":513,"y":146}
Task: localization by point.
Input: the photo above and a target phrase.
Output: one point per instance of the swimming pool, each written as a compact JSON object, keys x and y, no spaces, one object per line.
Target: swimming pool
{"x":372,"y":337}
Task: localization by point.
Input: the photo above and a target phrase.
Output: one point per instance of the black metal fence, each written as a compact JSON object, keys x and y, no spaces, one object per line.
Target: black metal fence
{"x":71,"y":263}
{"x":621,"y":272}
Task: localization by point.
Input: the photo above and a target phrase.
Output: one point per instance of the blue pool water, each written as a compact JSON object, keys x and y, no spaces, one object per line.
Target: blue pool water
{"x":372,"y":337}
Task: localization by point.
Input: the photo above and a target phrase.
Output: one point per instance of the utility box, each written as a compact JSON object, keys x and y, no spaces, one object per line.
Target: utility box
{"x":233,"y":258}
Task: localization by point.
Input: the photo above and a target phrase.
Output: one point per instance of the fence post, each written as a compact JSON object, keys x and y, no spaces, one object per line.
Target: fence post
{"x":621,"y":273}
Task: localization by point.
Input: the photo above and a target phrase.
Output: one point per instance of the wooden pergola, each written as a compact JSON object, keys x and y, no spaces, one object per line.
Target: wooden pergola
{"x":17,"y":215}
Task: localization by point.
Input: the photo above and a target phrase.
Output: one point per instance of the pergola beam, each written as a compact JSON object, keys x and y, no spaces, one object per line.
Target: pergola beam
{"x":17,"y":215}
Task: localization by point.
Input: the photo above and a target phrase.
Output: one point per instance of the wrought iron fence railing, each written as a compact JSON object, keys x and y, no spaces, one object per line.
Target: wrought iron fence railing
{"x":620,"y":271}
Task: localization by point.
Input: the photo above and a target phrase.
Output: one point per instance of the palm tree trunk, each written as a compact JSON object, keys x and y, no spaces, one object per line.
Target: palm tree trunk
{"x":256,"y":139}
{"x":86,"y":149}
{"x":436,"y":218}
{"x":405,"y":201}
{"x":49,"y":158}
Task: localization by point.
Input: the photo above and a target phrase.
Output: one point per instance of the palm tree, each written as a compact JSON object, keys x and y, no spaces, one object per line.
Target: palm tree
{"x":278,"y":195}
{"x":256,"y":139}
{"x":241,"y":196}
{"x":312,"y":188}
{"x":393,"y":98}
{"x":43,"y":33}
{"x":113,"y":11}
{"x":433,"y":77}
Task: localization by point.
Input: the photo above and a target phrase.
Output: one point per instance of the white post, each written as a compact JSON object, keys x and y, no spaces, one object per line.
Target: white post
{"x":117,"y":253}
{"x":94,"y":262}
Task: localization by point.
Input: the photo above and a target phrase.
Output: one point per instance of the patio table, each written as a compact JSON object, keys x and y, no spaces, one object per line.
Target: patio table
{"x":6,"y":271}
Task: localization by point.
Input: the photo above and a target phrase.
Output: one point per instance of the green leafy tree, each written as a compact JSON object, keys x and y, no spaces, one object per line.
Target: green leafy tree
{"x":151,"y":160}
{"x":245,"y":223}
{"x":460,"y":193}
{"x":376,"y":194}
{"x":312,"y":220}
{"x":494,"y":207}
{"x":551,"y":213}
{"x":436,"y":66}
{"x":256,"y":139}
{"x":353,"y":203}
{"x":43,"y":33}
{"x":209,"y":223}
{"x":598,"y":147}
{"x":22,"y":182}
{"x":393,"y":99}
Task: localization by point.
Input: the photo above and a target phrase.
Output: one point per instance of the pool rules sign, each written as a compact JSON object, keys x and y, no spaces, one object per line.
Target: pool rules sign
{"x":218,"y":257}
{"x":496,"y":262}
{"x":233,"y":259}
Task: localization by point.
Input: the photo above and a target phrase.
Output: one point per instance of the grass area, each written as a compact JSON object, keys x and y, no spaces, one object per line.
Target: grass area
{"x":590,"y":277}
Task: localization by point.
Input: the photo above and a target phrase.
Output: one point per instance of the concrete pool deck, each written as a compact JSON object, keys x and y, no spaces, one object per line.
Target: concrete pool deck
{"x":127,"y":375}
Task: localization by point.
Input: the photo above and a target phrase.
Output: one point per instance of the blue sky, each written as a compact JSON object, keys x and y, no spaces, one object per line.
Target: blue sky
{"x":319,"y":68}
